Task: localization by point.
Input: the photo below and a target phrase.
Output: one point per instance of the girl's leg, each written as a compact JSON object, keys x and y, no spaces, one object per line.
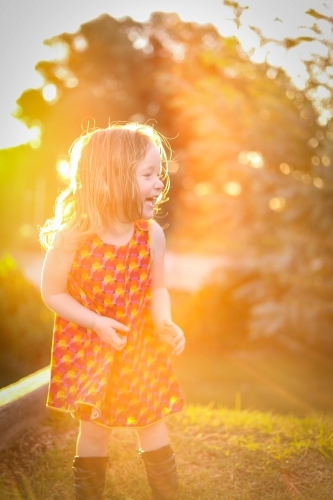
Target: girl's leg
{"x":92,"y":440}
{"x":159,"y":461}
{"x":153,"y":437}
{"x":89,"y":466}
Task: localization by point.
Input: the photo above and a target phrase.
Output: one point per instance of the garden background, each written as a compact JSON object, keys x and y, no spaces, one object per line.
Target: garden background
{"x":250,"y":209}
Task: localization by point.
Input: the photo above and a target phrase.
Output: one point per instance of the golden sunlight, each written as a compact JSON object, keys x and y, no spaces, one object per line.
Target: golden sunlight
{"x":50,"y":92}
{"x":35,"y":140}
{"x":64,"y":170}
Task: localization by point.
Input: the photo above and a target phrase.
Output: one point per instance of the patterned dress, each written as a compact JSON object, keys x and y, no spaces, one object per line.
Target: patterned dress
{"x":134,"y":387}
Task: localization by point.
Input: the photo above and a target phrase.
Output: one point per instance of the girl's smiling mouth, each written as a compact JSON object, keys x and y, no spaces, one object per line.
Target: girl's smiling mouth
{"x":151,"y":200}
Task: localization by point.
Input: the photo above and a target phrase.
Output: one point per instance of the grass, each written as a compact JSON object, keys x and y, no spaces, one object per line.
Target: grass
{"x":269,"y":379}
{"x":258,"y":426}
{"x":247,"y":375}
{"x":221,"y":454}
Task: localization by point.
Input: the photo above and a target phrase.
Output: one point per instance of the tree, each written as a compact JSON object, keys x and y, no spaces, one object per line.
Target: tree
{"x":253,"y":180}
{"x":93,"y":85}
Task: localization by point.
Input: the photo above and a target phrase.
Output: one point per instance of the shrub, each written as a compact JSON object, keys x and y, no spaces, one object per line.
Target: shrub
{"x":214,"y":315}
{"x":258,"y":304}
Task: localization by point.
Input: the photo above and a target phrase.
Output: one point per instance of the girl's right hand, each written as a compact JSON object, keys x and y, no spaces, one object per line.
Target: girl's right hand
{"x":106,"y":329}
{"x":173,"y":335}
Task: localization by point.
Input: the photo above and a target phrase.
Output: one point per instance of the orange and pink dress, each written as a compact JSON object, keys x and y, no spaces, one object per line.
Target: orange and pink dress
{"x":134,"y":387}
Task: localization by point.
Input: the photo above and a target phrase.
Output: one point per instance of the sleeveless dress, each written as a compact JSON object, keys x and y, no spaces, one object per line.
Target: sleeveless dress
{"x":134,"y":387}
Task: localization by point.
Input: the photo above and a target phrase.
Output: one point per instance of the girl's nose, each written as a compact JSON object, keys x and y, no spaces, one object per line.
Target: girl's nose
{"x":159,"y":184}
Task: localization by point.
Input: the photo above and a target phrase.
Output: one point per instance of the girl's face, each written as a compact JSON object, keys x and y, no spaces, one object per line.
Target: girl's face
{"x":148,"y":178}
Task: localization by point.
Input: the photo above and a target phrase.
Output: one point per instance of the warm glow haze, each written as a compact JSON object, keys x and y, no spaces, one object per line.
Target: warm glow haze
{"x":34,"y":21}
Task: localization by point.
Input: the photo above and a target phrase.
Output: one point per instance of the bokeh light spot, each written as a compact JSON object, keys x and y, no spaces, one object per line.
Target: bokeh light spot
{"x":325,"y":161}
{"x":255,"y":159}
{"x":329,"y":135}
{"x":71,"y":82}
{"x":313,"y":142}
{"x":297,"y":175}
{"x":64,"y":170}
{"x":307,"y":179}
{"x":26,"y":230}
{"x":271,"y":73}
{"x":50,"y":92}
{"x":233,"y":188}
{"x":80,"y":43}
{"x":138,"y":118}
{"x":318,"y":182}
{"x":140,"y":43}
{"x":202,"y":188}
{"x":277,"y":204}
{"x":35,"y":140}
{"x":173,"y":167}
{"x":285,"y":169}
{"x":242,"y":158}
{"x":153,"y":108}
{"x":290,"y":94}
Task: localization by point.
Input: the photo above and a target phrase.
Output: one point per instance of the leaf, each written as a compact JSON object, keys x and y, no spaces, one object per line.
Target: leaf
{"x":230,"y":3}
{"x":293,"y":42}
{"x":305,"y":38}
{"x":317,"y":15}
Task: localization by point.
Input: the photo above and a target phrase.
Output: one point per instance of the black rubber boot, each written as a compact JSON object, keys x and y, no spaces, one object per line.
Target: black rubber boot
{"x":162,"y":472}
{"x":89,"y":477}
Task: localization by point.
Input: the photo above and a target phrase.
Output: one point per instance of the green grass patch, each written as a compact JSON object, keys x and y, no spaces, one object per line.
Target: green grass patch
{"x":221,"y":454}
{"x":258,"y":425}
{"x":270,"y":379}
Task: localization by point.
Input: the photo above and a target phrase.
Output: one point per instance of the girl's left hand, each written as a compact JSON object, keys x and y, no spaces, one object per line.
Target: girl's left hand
{"x":173,"y":335}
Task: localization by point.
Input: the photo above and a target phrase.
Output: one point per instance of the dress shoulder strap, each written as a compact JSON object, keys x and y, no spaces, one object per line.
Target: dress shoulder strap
{"x":144,"y":224}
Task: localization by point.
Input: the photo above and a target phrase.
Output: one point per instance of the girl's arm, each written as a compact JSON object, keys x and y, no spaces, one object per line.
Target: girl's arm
{"x":57,"y":265}
{"x":161,"y":307}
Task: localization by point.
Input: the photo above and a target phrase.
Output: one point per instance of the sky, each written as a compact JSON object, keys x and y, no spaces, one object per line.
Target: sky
{"x":24,"y":25}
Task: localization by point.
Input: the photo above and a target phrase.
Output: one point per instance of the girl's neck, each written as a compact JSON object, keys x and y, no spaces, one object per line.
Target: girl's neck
{"x":117,"y":234}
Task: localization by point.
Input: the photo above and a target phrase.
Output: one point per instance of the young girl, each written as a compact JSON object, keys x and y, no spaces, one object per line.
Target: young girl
{"x":103,"y":276}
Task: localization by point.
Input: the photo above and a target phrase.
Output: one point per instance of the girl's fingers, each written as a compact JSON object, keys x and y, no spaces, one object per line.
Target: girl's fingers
{"x":115,"y":339}
{"x":120,"y":327}
{"x":174,"y":336}
{"x":119,"y":344}
{"x":179,"y":346}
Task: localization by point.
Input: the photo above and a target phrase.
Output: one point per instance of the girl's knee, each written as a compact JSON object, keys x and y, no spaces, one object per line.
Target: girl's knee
{"x":154,"y":436}
{"x":153,"y":428}
{"x":92,"y":440}
{"x":89,"y":430}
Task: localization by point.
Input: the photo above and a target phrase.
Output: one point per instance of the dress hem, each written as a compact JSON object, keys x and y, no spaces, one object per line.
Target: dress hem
{"x":62,"y":410}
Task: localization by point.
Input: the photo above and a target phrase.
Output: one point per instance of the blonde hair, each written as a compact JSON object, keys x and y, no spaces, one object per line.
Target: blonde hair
{"x":103,"y":183}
